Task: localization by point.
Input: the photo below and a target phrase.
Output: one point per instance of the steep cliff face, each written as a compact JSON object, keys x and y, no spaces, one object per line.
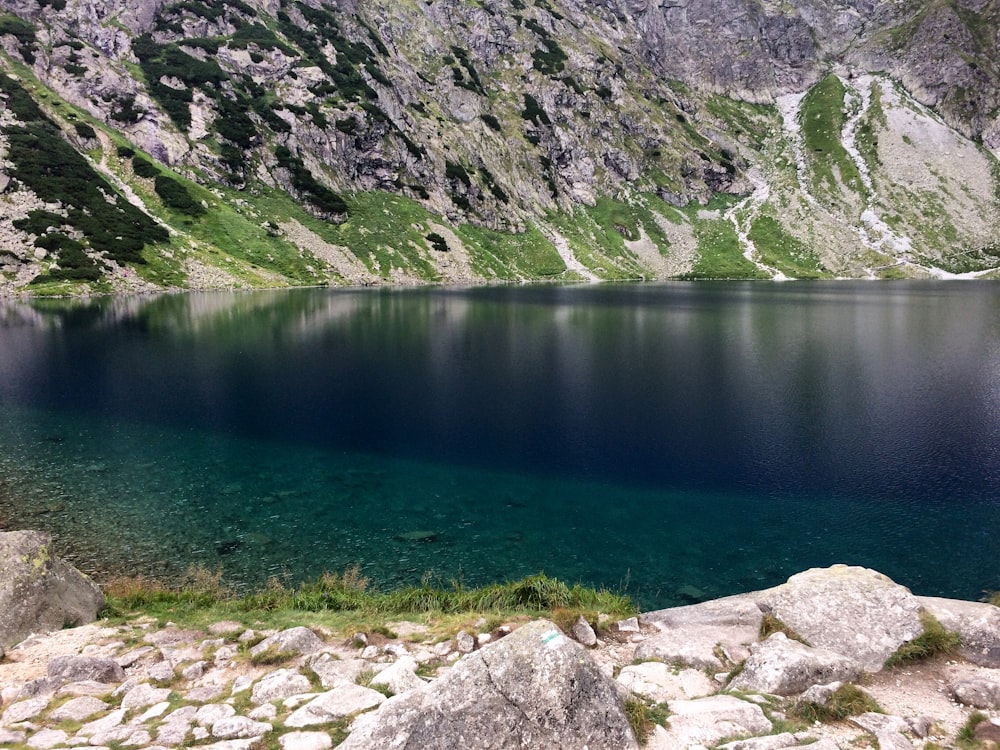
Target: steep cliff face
{"x":271,"y":142}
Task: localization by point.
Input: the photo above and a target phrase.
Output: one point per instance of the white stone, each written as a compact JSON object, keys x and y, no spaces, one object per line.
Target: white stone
{"x":24,"y":710}
{"x":105,"y":723}
{"x":78,"y":709}
{"x":305,"y":741}
{"x":399,"y":677}
{"x":629,"y":625}
{"x":267,"y":712}
{"x":336,"y":704}
{"x":213,"y":712}
{"x":47,"y":738}
{"x":279,"y":684}
{"x":782,"y":666}
{"x":144,"y":695}
{"x":153,"y":712}
{"x":299,"y":640}
{"x":708,"y":721}
{"x":237,"y":727}
{"x":334,"y":673}
{"x":660,"y":683}
{"x":162,"y":671}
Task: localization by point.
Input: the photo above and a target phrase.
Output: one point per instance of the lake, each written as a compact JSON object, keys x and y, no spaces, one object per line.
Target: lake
{"x":679,"y":441}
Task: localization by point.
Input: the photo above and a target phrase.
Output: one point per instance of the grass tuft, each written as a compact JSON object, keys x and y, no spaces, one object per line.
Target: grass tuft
{"x":771,"y":624}
{"x":934,"y":641}
{"x":966,"y":737}
{"x":644,"y":715}
{"x":847,"y":700}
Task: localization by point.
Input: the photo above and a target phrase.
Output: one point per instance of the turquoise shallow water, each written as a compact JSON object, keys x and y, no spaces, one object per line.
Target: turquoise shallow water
{"x":657,"y":438}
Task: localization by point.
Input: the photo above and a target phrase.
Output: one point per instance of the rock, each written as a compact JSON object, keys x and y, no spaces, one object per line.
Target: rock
{"x":399,"y":677}
{"x":976,"y":622}
{"x":85,"y":668}
{"x":161,"y":672}
{"x":237,"y":727}
{"x":978,"y":692}
{"x":24,"y":710}
{"x":298,"y":640}
{"x":584,"y":633}
{"x":988,"y":731}
{"x":212,"y":713}
{"x":105,"y":723}
{"x":696,"y":635}
{"x":194,"y":671}
{"x":12,"y":736}
{"x":661,"y":683}
{"x":47,"y":738}
{"x":708,"y":721}
{"x":336,"y":704}
{"x":247,"y":744}
{"x":87,"y":687}
{"x":38,"y":591}
{"x":153,"y":712}
{"x":769,"y":742}
{"x":279,"y":684}
{"x":144,"y":695}
{"x":267,"y":712}
{"x":820,"y":694}
{"x":464,"y":642}
{"x":305,"y":741}
{"x":225,"y":627}
{"x":535,"y":688}
{"x":852,"y":611}
{"x":782,"y":666}
{"x":630,"y":625}
{"x":78,"y":709}
{"x":334,"y":673}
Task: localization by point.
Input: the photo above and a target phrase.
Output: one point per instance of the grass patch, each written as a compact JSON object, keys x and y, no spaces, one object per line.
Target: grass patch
{"x":934,"y":641}
{"x":822,"y":119}
{"x":847,"y":700}
{"x":771,"y":624}
{"x":779,"y":249}
{"x":271,"y":656}
{"x":501,"y":255}
{"x":644,"y":715}
{"x":966,"y":737}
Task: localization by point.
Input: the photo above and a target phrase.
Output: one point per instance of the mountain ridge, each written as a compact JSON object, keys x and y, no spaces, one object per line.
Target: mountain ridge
{"x":289,"y":143}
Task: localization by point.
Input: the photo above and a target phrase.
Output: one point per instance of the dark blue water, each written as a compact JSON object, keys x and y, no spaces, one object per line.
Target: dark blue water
{"x":706,"y":436}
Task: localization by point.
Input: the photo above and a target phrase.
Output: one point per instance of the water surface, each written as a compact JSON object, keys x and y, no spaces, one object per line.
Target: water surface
{"x":684,"y":440}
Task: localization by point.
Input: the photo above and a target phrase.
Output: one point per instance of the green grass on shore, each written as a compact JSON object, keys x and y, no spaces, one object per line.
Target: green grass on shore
{"x":346,"y":601}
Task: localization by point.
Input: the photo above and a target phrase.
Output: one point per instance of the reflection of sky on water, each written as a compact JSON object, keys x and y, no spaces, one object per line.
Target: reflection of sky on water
{"x":705,"y":434}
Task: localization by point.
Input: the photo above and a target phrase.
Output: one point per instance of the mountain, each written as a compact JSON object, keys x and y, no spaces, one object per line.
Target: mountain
{"x":245,"y":143}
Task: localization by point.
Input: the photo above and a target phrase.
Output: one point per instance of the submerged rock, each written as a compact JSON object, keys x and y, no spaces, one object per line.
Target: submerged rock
{"x":39,"y":592}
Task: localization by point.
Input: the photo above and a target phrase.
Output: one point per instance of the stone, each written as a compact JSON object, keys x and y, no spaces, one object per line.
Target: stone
{"x":853,"y":611}
{"x":279,"y":684}
{"x":194,"y":671}
{"x":86,"y":687}
{"x":535,"y":688}
{"x":47,"y":738}
{"x":130,"y":658}
{"x":225,"y":627}
{"x":24,"y":710}
{"x":976,"y":622}
{"x":144,"y":695}
{"x":78,"y":709}
{"x":782,"y":666}
{"x":820,"y":694}
{"x":768,"y":742}
{"x":104,"y":724}
{"x":334,"y":673}
{"x":709,"y":721}
{"x":38,"y":591}
{"x":399,"y":677}
{"x":696,"y":635}
{"x":267,"y":712}
{"x":336,"y":704}
{"x":84,"y":668}
{"x":247,"y":744}
{"x":161,"y":672}
{"x":305,"y":741}
{"x":153,"y":712}
{"x":212,"y":713}
{"x":237,"y":727}
{"x":661,"y":683}
{"x":205,"y":693}
{"x":584,"y":633}
{"x":125,"y":735}
{"x":465,"y":642}
{"x":629,"y":625}
{"x":988,"y":731}
{"x":978,"y":692}
{"x":298,"y":640}
{"x":12,"y":736}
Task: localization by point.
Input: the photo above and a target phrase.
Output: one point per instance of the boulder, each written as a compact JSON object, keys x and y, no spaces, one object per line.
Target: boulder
{"x":662,"y":683}
{"x":400,"y":677}
{"x":988,"y":731}
{"x":336,"y":704}
{"x":698,"y":634}
{"x":38,"y":591}
{"x":335,"y":673}
{"x":144,"y":695}
{"x":856,"y":612}
{"x":978,"y":692}
{"x":584,"y":633}
{"x":768,"y":742}
{"x":78,"y":709}
{"x":282,"y":683}
{"x":976,"y":622}
{"x":84,"y":669}
{"x":782,"y":666}
{"x":535,"y":688}
{"x":237,"y":727}
{"x":305,"y":741}
{"x":709,"y":721}
{"x":298,"y":640}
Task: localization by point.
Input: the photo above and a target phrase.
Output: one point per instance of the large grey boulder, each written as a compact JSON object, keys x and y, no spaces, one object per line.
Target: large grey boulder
{"x":297,"y":640}
{"x":782,"y":666}
{"x":978,"y":692}
{"x":535,"y":688}
{"x":84,"y":668}
{"x":696,"y":635}
{"x":39,"y":592}
{"x":852,"y":611}
{"x":976,"y":622}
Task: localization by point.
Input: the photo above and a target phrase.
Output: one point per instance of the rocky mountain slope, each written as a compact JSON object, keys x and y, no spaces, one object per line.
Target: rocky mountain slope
{"x":232,"y":143}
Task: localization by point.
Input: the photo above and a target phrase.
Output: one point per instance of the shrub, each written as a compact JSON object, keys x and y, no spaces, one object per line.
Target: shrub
{"x":84,"y":130}
{"x":437,"y":242}
{"x":934,"y":641}
{"x":491,"y":122}
{"x":144,"y":167}
{"x":175,"y":195}
{"x":533,"y":111}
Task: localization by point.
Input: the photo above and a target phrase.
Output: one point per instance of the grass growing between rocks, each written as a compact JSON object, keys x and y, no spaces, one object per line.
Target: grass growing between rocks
{"x":966,"y":737}
{"x":847,"y":700}
{"x":644,"y":715}
{"x":934,"y":641}
{"x":347,"y":601}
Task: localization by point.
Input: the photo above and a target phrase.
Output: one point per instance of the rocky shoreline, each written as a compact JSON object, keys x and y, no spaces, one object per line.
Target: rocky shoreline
{"x":747,"y":672}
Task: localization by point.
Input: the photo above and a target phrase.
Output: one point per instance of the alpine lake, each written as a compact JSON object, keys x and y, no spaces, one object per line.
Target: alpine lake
{"x":677,"y":441}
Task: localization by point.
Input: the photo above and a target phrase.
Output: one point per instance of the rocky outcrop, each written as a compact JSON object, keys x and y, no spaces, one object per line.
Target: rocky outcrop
{"x":38,"y":591}
{"x":782,"y":666}
{"x":977,"y":623}
{"x":535,"y":688}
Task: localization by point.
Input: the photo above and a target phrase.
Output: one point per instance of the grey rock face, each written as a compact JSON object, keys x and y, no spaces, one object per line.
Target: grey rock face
{"x":661,"y":683}
{"x":84,"y":668}
{"x":786,"y":667}
{"x":39,"y":592}
{"x":978,"y":693}
{"x":298,"y":640}
{"x":852,"y":611}
{"x":400,"y":677}
{"x":708,"y":721}
{"x":535,"y":688}
{"x":336,"y":704}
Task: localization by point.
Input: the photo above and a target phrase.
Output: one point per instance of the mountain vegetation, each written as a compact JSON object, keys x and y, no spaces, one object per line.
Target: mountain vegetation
{"x":244,"y":143}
